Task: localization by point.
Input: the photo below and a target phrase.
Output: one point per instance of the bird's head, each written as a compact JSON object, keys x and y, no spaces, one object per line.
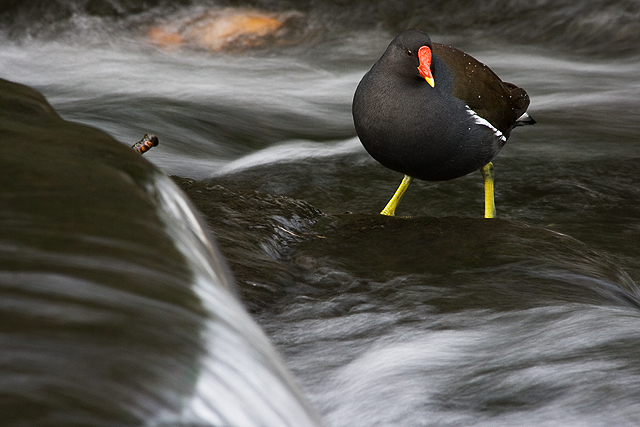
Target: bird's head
{"x":414,"y":48}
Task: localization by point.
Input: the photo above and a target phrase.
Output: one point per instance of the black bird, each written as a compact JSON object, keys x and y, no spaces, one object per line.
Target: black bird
{"x":435,"y":113}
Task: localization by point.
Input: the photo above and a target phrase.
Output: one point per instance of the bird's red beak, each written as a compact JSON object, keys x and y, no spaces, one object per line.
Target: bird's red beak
{"x":424,"y":56}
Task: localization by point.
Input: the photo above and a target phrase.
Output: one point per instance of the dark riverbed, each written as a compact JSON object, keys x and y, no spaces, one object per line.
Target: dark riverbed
{"x":436,"y":318}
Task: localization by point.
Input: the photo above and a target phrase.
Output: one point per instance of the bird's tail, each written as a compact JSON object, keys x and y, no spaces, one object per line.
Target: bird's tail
{"x":524,"y":120}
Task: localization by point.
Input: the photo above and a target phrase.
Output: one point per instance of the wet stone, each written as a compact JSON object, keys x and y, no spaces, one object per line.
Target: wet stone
{"x":281,"y":249}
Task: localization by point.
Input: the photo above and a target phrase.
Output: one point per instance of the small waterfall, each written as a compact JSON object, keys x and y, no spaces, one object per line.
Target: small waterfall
{"x":115,"y":306}
{"x":242,"y":380}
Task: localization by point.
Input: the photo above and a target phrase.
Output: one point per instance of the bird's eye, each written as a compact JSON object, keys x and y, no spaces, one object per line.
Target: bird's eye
{"x":409,"y":53}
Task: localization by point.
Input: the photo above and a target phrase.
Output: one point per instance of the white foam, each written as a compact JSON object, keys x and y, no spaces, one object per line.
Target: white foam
{"x":291,"y":151}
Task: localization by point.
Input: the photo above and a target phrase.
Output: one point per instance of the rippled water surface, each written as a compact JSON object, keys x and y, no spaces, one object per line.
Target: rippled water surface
{"x":437,"y":319}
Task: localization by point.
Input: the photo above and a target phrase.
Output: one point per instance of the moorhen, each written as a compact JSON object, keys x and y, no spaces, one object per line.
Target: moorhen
{"x":435,"y":113}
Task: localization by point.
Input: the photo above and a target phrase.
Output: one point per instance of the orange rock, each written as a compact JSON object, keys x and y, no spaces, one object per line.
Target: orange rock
{"x":168,"y":40}
{"x":216,"y":30}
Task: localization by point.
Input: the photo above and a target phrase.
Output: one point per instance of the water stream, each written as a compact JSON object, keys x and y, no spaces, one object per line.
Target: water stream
{"x":437,"y":318}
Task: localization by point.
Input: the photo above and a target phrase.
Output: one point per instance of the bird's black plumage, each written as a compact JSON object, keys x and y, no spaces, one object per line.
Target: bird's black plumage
{"x":434,"y":133}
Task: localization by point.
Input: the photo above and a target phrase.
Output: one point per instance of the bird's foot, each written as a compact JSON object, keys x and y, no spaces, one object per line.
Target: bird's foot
{"x":390,"y":209}
{"x":489,"y":200}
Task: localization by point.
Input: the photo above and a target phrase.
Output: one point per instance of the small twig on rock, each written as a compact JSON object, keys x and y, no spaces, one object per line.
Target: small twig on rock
{"x":147,"y":142}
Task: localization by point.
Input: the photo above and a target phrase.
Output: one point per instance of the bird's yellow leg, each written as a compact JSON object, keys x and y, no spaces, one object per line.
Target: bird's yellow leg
{"x":390,"y":209}
{"x":489,"y":202}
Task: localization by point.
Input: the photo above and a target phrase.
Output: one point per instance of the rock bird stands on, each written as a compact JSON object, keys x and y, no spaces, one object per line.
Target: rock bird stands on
{"x":432,"y":112}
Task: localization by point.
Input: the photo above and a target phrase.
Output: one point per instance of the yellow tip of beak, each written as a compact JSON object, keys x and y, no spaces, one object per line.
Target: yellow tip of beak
{"x":431,"y":82}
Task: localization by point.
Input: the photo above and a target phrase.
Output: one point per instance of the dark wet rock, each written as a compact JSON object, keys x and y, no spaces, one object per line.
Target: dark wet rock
{"x":281,"y":249}
{"x":115,"y":305}
{"x":484,"y":261}
{"x":85,"y":262}
{"x":255,"y":232}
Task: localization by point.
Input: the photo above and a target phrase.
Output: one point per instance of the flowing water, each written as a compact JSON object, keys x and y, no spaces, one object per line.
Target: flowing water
{"x":437,"y":319}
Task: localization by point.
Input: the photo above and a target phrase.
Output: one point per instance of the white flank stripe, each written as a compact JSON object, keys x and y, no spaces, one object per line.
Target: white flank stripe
{"x":480,"y":121}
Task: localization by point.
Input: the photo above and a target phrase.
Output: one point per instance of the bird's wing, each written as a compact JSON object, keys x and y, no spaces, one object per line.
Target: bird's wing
{"x":498,"y":102}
